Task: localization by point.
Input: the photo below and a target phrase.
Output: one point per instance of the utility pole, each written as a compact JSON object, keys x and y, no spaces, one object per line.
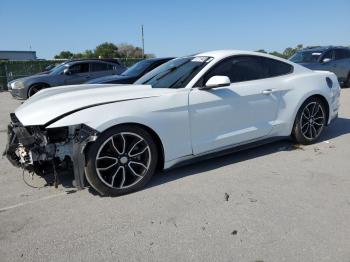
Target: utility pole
{"x":143,"y":42}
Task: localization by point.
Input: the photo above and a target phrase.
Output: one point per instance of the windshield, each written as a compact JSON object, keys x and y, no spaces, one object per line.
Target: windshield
{"x":58,"y":69}
{"x":137,"y":68}
{"x":305,"y":57}
{"x":176,"y":73}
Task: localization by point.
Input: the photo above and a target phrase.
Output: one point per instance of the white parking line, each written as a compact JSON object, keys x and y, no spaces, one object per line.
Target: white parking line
{"x":32,"y":201}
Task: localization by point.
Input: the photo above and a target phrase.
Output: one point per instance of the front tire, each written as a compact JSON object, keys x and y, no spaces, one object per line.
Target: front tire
{"x":35,"y":89}
{"x":122,"y":160}
{"x":310,"y":121}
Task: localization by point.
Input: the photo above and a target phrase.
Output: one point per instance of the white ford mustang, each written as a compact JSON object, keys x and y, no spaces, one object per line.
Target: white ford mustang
{"x":118,"y":136}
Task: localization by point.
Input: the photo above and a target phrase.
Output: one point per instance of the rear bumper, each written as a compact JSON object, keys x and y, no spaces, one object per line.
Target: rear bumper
{"x":334,"y":105}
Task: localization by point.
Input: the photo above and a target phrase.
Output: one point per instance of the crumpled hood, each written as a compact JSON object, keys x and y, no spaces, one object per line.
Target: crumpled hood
{"x":52,"y":103}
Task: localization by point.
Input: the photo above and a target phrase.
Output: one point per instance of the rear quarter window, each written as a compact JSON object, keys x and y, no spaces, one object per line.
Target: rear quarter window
{"x":277,"y":68}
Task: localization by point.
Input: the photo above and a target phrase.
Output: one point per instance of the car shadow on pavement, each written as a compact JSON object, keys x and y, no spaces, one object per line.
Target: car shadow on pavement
{"x":341,"y":126}
{"x":338,"y":127}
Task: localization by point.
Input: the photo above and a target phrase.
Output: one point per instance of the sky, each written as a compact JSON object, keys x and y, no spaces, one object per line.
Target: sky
{"x":172,"y":28}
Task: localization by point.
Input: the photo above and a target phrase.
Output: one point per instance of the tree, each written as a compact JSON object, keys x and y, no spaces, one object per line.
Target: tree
{"x":106,"y":50}
{"x":288,"y":52}
{"x":275,"y":53}
{"x":127,"y":50}
{"x":64,"y":55}
{"x":89,"y":54}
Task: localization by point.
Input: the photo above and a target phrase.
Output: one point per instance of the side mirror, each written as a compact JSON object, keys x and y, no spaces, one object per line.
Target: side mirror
{"x":67,"y":72}
{"x":326,"y":60}
{"x":217,"y":81}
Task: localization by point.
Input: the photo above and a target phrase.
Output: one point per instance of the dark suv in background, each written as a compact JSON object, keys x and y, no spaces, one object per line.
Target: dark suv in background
{"x":330,"y":58}
{"x":68,"y":73}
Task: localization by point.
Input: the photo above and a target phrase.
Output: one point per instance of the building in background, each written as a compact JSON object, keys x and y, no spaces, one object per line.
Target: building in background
{"x":18,"y":55}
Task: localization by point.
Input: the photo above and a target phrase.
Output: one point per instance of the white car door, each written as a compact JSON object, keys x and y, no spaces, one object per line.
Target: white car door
{"x":241,"y":112}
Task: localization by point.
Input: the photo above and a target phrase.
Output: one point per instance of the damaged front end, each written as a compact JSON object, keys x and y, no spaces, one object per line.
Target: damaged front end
{"x":34,"y":148}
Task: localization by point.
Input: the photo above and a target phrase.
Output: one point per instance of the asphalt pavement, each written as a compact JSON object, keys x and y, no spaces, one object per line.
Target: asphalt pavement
{"x":278,"y":202}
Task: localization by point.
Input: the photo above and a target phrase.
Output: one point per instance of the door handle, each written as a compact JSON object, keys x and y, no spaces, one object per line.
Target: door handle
{"x":267,"y":92}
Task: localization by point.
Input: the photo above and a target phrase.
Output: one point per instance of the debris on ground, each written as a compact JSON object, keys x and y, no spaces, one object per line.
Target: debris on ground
{"x":316,"y":149}
{"x":291,"y":147}
{"x":297,"y":147}
{"x":137,"y":233}
{"x":172,"y":220}
{"x":24,"y":195}
{"x":332,"y":146}
{"x":253,"y":200}
{"x":326,"y":141}
{"x":227,"y":196}
{"x":71,"y":191}
{"x":234,"y":232}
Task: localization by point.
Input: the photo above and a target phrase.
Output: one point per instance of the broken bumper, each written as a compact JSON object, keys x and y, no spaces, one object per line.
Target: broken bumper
{"x":33,"y":146}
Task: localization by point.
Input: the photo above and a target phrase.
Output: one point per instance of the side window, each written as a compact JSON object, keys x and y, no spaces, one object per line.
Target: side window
{"x":240,"y":68}
{"x":277,"y":68}
{"x":95,"y":67}
{"x":341,"y":54}
{"x":328,"y":54}
{"x":79,"y":68}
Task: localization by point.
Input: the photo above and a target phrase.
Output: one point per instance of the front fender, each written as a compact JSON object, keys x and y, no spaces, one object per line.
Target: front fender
{"x":168,"y":120}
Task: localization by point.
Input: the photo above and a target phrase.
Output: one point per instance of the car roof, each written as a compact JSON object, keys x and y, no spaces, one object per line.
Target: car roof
{"x":219,"y":54}
{"x":157,"y":59}
{"x":323,"y":48}
{"x":110,"y":60}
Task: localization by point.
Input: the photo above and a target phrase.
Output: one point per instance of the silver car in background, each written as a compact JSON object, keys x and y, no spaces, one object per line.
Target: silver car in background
{"x":328,"y":58}
{"x":68,"y":73}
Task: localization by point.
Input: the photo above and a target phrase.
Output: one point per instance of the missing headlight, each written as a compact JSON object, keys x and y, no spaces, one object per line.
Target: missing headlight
{"x":57,"y":135}
{"x":85,"y":132}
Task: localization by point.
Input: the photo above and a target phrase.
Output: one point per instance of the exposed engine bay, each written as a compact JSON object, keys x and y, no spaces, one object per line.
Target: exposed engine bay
{"x":41,"y":150}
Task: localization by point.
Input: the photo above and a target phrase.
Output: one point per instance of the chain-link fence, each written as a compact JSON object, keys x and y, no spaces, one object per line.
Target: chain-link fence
{"x":10,"y":70}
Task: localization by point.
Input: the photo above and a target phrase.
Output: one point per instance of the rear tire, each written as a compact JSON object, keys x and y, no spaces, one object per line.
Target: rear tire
{"x":310,"y":121}
{"x":122,"y":160}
